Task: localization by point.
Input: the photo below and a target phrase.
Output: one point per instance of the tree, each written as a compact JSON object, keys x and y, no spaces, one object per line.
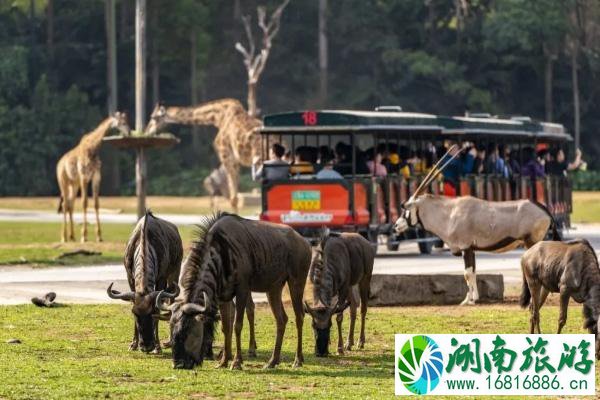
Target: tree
{"x":528,"y":27}
{"x":323,"y":52}
{"x":255,"y":63}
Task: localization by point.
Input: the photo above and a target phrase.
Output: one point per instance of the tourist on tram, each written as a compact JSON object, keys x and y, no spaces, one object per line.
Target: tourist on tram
{"x":343,"y":160}
{"x":274,"y":168}
{"x":303,"y":162}
{"x":495,"y":163}
{"x":458,"y":167}
{"x":375,"y":166}
{"x":534,"y":163}
{"x":558,"y":165}
{"x":327,"y":171}
{"x":480,"y":160}
{"x":510,"y":160}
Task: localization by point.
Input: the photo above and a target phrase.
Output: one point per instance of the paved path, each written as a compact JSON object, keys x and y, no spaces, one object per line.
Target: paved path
{"x":88,"y":284}
{"x":105,"y":217}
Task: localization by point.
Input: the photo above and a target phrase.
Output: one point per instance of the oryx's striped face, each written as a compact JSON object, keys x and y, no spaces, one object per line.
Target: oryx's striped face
{"x":407,"y":218}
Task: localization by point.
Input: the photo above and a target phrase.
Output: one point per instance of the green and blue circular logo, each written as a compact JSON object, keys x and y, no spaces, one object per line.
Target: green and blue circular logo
{"x":420,"y":364}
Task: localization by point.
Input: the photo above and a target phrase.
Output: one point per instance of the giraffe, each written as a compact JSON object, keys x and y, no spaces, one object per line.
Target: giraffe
{"x":80,"y":166}
{"x":237,"y":143}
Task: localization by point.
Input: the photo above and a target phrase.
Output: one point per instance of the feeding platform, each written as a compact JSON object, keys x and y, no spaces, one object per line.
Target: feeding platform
{"x":140,"y":141}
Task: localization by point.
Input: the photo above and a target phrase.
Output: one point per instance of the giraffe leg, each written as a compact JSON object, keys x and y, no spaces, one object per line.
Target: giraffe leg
{"x":70,"y":204}
{"x":63,"y":210}
{"x":84,"y":203}
{"x":95,"y":194}
{"x":233,"y":171}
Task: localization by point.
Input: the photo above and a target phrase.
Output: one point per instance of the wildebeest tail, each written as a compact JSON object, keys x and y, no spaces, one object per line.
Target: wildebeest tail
{"x":553,"y":225}
{"x":525,"y":294}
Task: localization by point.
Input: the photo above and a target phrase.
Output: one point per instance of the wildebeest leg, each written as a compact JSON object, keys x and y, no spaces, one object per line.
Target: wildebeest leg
{"x":240,"y":308}
{"x":339,"y":318}
{"x":353,"y":307}
{"x":543,"y":295}
{"x":134,"y":342}
{"x":250,"y":314}
{"x":364,"y":288}
{"x":296,"y":294}
{"x":534,"y":321}
{"x":470,"y":278}
{"x":226,"y":310}
{"x":564,"y":304}
{"x":281,"y":319}
{"x":157,"y":349}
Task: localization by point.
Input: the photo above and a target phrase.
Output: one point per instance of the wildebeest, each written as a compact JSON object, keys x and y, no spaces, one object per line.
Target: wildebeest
{"x":467,"y":224}
{"x":152,"y":262}
{"x":569,"y":268}
{"x":340,"y":262}
{"x":232,"y":257}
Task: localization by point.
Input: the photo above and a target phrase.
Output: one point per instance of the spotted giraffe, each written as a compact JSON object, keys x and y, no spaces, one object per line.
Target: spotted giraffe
{"x":237,"y":143}
{"x":80,"y":166}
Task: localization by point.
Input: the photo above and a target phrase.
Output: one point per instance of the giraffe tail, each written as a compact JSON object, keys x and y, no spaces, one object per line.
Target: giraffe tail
{"x":60,"y":206}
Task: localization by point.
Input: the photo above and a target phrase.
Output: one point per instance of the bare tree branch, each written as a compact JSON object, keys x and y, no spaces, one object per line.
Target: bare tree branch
{"x":255,"y":63}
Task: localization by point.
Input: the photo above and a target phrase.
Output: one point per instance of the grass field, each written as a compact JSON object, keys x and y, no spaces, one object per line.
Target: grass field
{"x":586,"y":207}
{"x":80,"y":352}
{"x":38,"y":244}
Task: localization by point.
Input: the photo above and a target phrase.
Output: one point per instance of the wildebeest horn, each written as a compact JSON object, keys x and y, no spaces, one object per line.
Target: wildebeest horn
{"x":307,"y":308}
{"x":160,"y":304}
{"x":193,"y":308}
{"x":434,"y":172}
{"x":113,"y":294}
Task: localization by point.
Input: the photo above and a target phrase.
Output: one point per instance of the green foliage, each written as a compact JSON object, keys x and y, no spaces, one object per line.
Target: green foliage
{"x":586,"y":180}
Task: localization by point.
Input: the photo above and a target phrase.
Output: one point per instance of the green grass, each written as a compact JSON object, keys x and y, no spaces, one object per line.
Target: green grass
{"x":38,"y":243}
{"x":80,"y":352}
{"x":586,"y":207}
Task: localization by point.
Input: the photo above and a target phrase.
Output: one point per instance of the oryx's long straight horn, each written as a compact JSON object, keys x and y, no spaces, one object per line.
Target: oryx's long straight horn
{"x":427,"y":180}
{"x":444,"y":166}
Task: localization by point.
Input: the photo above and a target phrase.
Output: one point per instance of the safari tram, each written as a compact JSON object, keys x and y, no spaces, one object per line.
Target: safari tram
{"x":361,"y":196}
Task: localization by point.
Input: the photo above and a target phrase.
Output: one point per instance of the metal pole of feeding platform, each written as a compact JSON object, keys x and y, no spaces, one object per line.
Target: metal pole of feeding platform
{"x":140,"y":102}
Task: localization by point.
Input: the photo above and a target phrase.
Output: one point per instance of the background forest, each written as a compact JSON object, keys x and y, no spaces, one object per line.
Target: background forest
{"x":529,"y":57}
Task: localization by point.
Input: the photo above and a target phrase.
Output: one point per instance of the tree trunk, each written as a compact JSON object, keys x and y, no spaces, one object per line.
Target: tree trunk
{"x":50,"y":29}
{"x":155,"y":72}
{"x":252,"y":109}
{"x":237,"y":10}
{"x":576,"y":107}
{"x":323,"y":53}
{"x":140,"y":102}
{"x":196,"y":142}
{"x":548,"y":72}
{"x":114,"y":175}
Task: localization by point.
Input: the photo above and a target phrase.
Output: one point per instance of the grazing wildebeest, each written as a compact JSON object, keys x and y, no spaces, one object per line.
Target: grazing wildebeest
{"x":152,"y":262}
{"x":340,"y":262}
{"x":232,"y":257}
{"x":569,"y":268}
{"x":467,"y":224}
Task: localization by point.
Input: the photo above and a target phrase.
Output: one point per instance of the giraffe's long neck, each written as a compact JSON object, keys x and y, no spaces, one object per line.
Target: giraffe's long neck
{"x":93,"y":140}
{"x":203,"y":115}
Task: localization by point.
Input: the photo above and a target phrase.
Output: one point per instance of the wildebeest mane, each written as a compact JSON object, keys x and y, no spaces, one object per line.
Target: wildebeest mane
{"x":197,"y":262}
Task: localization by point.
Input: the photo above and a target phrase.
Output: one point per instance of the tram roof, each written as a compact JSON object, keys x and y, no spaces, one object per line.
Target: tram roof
{"x":332,"y":121}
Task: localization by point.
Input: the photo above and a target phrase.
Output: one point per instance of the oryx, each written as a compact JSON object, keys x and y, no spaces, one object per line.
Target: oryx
{"x":467,"y":223}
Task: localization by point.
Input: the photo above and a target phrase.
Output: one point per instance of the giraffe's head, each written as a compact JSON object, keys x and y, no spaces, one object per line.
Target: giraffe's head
{"x":118,"y":121}
{"x":157,"y":120}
